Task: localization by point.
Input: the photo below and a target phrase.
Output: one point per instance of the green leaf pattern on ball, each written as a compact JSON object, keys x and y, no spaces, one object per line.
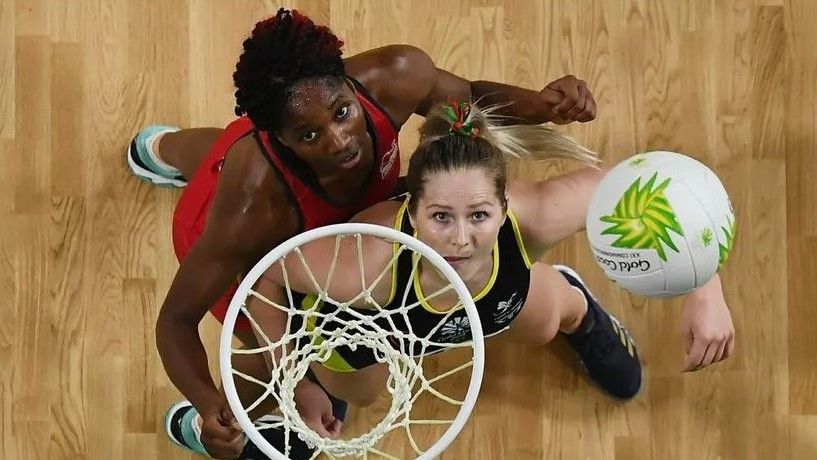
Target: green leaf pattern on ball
{"x":643,"y":218}
{"x":707,"y":237}
{"x":729,"y":235}
{"x":639,"y":160}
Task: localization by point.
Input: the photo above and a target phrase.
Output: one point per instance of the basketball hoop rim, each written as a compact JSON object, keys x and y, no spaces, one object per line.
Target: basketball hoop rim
{"x":387,"y":233}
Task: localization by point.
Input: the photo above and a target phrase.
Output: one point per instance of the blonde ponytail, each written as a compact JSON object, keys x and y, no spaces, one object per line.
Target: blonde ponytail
{"x":463,"y":135}
{"x":525,"y":142}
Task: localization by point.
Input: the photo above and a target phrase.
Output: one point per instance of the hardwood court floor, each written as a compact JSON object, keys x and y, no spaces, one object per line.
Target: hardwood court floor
{"x":86,"y":257}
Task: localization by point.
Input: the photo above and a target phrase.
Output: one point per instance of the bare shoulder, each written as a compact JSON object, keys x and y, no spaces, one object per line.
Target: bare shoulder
{"x":551,"y":210}
{"x":251,"y":211}
{"x":400,"y":77}
{"x":522,"y":202}
{"x":383,"y":213}
{"x":377,"y":254}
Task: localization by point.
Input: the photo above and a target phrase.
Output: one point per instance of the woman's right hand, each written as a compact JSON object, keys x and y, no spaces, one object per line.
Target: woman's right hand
{"x":221,"y":434}
{"x":315,"y":409}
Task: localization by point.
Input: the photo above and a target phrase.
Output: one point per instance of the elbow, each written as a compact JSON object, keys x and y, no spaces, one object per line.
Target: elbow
{"x":163,"y":329}
{"x":170,"y":324}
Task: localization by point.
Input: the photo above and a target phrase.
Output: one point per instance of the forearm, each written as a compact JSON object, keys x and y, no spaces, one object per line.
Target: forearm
{"x":185,"y":362}
{"x":712,"y":288}
{"x":523,"y":105}
{"x":273,"y":322}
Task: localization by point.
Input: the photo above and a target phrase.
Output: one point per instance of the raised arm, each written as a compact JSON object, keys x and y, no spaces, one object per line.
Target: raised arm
{"x":552,"y":210}
{"x":406,"y":80}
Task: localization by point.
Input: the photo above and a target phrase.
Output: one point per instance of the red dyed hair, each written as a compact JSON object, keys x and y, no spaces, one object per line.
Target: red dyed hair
{"x":282,"y":50}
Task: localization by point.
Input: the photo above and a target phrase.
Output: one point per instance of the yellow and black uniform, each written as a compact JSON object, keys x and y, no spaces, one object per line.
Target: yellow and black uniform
{"x":498,"y":303}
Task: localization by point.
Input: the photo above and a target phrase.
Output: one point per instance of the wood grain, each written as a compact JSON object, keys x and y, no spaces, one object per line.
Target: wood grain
{"x":86,"y":257}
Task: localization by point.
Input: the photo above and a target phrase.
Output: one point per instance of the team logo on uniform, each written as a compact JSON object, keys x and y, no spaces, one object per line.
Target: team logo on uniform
{"x":387,"y":161}
{"x":507,"y":310}
{"x":456,"y":330}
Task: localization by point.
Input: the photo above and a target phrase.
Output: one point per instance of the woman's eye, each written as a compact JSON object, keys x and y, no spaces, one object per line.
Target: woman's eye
{"x":342,"y":112}
{"x":309,"y":136}
{"x":479,"y":215}
{"x":440,"y":216}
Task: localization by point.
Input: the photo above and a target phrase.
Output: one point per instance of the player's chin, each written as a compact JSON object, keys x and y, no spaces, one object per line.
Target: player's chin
{"x":466,"y":271}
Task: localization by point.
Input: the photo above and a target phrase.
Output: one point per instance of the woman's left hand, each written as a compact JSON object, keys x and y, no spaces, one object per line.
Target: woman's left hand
{"x":706,"y":327}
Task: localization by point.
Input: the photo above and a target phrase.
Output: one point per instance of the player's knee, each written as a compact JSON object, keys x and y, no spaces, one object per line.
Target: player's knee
{"x":548,"y":322}
{"x":548,"y":331}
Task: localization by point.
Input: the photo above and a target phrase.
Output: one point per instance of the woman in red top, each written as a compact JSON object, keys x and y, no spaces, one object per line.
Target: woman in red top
{"x":315,"y":144}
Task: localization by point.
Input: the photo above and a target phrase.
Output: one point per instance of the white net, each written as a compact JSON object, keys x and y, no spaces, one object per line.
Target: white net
{"x":314,"y":333}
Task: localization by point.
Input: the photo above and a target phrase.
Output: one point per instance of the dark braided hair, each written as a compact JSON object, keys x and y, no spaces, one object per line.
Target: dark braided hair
{"x":281,"y":51}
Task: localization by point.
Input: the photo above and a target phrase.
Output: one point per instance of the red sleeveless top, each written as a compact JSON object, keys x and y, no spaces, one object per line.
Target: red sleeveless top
{"x":192,"y":210}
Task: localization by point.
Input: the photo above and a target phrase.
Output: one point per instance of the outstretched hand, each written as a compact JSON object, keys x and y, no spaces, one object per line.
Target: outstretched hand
{"x":706,"y":329}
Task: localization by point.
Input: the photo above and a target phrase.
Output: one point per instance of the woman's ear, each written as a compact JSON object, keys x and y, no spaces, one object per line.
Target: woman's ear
{"x":505,"y":217}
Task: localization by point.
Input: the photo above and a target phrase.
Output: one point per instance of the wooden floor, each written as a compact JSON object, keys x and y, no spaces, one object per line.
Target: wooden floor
{"x":86,"y":257}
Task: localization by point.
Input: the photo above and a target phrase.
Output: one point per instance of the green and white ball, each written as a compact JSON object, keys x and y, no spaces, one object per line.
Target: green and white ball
{"x":660,"y":224}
